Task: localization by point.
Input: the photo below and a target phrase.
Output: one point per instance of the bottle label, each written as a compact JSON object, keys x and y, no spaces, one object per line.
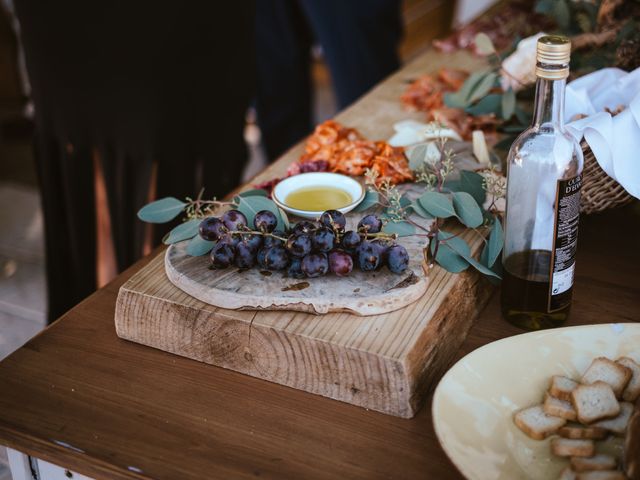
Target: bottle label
{"x":565,"y":242}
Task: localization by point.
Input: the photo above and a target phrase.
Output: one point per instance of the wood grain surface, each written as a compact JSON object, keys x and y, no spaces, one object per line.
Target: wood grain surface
{"x":382,"y":362}
{"x":78,"y":396}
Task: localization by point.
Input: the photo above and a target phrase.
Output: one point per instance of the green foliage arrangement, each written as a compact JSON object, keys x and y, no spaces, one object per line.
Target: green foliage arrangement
{"x":443,"y":197}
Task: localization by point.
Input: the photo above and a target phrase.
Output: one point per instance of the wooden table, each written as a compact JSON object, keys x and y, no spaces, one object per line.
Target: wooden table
{"x":79,"y":397}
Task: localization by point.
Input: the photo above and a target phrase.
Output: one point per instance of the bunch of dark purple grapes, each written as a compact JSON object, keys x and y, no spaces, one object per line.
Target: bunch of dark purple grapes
{"x":307,"y":250}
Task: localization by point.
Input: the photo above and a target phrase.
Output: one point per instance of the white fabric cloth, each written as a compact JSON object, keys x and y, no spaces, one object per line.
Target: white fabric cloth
{"x":615,"y":141}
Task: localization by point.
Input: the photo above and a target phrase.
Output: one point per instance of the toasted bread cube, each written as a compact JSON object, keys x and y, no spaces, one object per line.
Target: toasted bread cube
{"x":567,"y":447}
{"x":558,"y":408}
{"x":567,"y":474}
{"x":537,"y":424}
{"x":604,"y":370}
{"x":561,"y":387}
{"x":618,"y":425}
{"x":594,"y":402}
{"x":602,"y":475}
{"x":632,"y":392}
{"x":584,"y":433}
{"x":597,"y":462}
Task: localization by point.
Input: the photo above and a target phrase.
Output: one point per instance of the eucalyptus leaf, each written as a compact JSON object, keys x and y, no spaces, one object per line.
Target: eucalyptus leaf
{"x":285,"y":219}
{"x":495,"y":243}
{"x":402,"y":229}
{"x":249,"y":206}
{"x":556,"y":9}
{"x":483,"y":87}
{"x":481,"y":268}
{"x":489,"y":104}
{"x":417,"y":156}
{"x":470,"y":83}
{"x":460,"y":99}
{"x":256,"y":192}
{"x":404,"y":201}
{"x":437,"y":204}
{"x":184,"y":231}
{"x":455,"y":100}
{"x":197,"y":246}
{"x":370,"y":199}
{"x":451,"y":252}
{"x":508,"y":104}
{"x":161,"y":211}
{"x":473,"y":184}
{"x":419,"y":210}
{"x":467,"y":209}
{"x":484,"y":45}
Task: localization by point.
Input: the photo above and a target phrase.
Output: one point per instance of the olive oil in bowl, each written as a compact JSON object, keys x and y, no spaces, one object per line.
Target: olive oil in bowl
{"x":318,"y":198}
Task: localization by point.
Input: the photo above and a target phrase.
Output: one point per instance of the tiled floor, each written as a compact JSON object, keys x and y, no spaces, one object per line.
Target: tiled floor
{"x":22,"y":283}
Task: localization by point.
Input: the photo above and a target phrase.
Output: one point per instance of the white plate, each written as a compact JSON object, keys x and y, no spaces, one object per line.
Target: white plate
{"x":317,"y":179}
{"x":474,"y":403}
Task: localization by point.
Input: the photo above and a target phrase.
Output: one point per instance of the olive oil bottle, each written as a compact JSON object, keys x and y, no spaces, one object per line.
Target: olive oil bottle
{"x":543,"y":202}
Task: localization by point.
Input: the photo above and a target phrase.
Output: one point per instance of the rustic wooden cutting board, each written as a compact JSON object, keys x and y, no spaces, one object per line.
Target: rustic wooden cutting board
{"x":360,"y":293}
{"x":385,"y":362}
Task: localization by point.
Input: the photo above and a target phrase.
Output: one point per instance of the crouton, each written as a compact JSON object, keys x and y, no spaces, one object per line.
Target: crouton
{"x":604,"y":370}
{"x":594,"y":402}
{"x":537,"y":424}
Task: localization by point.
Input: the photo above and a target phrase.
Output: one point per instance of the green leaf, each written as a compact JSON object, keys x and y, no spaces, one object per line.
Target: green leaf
{"x":285,"y":219}
{"x":455,"y":100}
{"x":473,"y":184}
{"x":437,"y":204}
{"x":483,"y":87}
{"x":495,"y":243}
{"x":467,"y":209}
{"x":402,"y":229}
{"x":558,"y":10}
{"x":161,"y":211}
{"x":184,"y":231}
{"x":198,"y":246}
{"x":419,"y":210}
{"x":370,"y":199}
{"x":449,"y":252}
{"x":249,"y":206}
{"x":508,"y":104}
{"x":481,"y":268}
{"x":484,"y":45}
{"x":460,"y":99}
{"x":256,"y":192}
{"x":416,"y":156}
{"x":489,"y":104}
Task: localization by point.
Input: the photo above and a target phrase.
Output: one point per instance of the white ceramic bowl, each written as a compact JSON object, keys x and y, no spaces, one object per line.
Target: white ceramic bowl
{"x":317,"y":179}
{"x":474,"y":403}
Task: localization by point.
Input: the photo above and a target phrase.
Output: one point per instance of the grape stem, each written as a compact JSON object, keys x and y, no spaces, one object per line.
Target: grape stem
{"x":255,"y":232}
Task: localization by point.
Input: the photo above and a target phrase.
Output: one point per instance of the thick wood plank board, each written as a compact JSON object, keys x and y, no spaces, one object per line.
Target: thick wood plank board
{"x":383,"y":362}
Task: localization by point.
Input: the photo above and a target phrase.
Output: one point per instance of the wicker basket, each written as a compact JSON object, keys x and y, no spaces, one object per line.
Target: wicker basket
{"x":599,"y":191}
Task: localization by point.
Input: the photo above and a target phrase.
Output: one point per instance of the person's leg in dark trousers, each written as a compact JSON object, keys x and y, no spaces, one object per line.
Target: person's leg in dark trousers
{"x":284,"y":94}
{"x":360,"y":41}
{"x":130,"y":84}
